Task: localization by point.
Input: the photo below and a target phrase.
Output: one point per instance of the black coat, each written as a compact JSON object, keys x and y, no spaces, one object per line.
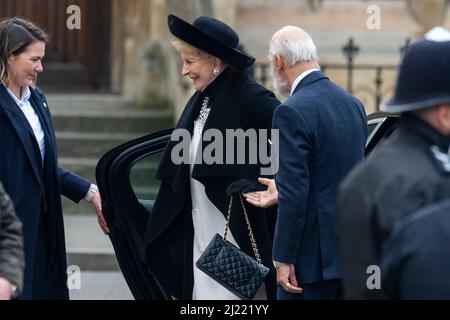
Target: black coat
{"x":12,"y":260}
{"x":35,"y":189}
{"x":239,"y":102}
{"x":416,"y":259}
{"x":400,"y":176}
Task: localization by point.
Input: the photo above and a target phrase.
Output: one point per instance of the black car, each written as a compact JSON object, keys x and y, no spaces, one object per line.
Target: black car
{"x":125,"y":176}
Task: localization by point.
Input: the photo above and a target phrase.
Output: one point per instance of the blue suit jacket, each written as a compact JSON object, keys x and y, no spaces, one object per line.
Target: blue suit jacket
{"x":28,"y":181}
{"x":323,"y":132}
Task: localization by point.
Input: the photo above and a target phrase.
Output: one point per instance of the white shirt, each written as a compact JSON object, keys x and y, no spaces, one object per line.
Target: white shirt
{"x":25,"y":105}
{"x":300,"y":78}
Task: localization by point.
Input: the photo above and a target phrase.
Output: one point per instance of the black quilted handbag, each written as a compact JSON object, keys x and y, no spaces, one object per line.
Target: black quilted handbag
{"x":231,"y":267}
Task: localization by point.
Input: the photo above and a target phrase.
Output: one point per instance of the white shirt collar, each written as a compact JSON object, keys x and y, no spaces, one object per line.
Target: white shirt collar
{"x":300,"y":78}
{"x":25,"y":106}
{"x":26,"y":94}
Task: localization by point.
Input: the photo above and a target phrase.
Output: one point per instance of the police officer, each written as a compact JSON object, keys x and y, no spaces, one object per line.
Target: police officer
{"x":410,"y":170}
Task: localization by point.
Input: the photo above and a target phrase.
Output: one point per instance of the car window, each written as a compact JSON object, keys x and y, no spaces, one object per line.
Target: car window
{"x":371,"y":127}
{"x":381,"y":132}
{"x":142,"y":177}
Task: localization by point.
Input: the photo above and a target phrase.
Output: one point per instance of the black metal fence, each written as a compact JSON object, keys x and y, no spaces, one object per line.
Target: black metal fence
{"x":350,"y":50}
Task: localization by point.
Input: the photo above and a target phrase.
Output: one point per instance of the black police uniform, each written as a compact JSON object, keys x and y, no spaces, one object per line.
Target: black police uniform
{"x":416,"y":260}
{"x":408,"y":171}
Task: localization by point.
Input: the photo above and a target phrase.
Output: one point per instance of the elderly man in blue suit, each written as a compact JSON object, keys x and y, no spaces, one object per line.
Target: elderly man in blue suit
{"x":322,"y":135}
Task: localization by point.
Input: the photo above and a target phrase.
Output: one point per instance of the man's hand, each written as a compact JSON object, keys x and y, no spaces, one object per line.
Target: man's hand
{"x":287,"y":279}
{"x":97,"y":204}
{"x":5,"y":289}
{"x":263,"y":199}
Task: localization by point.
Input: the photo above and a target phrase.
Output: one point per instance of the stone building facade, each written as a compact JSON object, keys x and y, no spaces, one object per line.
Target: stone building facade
{"x":145,"y":66}
{"x":124,"y":46}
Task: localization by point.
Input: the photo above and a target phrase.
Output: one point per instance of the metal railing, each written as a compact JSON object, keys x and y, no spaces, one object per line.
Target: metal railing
{"x":350,"y":50}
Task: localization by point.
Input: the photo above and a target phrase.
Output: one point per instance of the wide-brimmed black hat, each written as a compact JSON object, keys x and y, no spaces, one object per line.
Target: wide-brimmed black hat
{"x":212,"y":36}
{"x":424,"y":77}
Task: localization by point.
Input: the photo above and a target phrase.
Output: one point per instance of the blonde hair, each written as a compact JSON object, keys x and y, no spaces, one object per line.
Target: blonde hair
{"x":16,"y":34}
{"x":182,"y":46}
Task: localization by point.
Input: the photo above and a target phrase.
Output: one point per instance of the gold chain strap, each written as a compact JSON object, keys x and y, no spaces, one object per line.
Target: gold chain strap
{"x":249,"y":227}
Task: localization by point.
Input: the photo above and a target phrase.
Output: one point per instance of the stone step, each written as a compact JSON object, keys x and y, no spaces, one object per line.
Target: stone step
{"x":101,"y":285}
{"x":103,"y":113}
{"x":65,"y":76}
{"x":85,"y":167}
{"x":87,"y":246}
{"x":132,"y":121}
{"x":90,"y":145}
{"x":88,"y":102}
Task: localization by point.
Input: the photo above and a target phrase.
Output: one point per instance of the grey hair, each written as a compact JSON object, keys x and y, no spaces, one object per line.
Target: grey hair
{"x":294,"y":51}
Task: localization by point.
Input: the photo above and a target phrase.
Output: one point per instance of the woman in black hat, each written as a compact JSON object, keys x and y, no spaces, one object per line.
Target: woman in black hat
{"x":192,"y":202}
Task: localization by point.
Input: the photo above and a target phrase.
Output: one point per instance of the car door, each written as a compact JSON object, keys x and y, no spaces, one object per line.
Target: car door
{"x":125,"y":177}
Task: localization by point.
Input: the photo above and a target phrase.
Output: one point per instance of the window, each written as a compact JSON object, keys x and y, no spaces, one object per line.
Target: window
{"x":142,"y":178}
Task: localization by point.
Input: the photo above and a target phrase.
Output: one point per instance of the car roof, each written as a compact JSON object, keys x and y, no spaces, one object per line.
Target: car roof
{"x":382,"y":114}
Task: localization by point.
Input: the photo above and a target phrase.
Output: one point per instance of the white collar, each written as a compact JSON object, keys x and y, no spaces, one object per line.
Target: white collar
{"x":300,"y":78}
{"x":26,"y":93}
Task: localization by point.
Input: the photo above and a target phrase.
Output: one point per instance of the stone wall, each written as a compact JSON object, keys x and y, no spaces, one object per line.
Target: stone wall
{"x":145,"y":67}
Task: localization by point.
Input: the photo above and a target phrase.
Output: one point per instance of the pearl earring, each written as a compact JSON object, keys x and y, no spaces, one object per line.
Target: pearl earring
{"x":216,"y":71}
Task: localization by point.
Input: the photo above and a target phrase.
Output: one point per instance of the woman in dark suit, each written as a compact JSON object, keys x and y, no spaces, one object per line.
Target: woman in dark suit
{"x":192,"y":203}
{"x":28,"y":162}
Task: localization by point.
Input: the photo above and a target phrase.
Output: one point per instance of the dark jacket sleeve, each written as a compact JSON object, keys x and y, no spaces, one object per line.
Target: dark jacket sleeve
{"x":11,"y":243}
{"x":73,"y":186}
